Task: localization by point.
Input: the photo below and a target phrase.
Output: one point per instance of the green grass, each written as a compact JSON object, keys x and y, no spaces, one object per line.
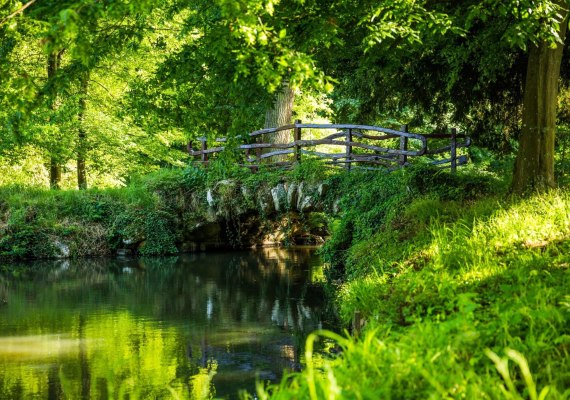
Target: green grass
{"x":462,"y":298}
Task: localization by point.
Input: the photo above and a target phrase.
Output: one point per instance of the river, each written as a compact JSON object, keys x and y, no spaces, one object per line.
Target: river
{"x":193,"y":326}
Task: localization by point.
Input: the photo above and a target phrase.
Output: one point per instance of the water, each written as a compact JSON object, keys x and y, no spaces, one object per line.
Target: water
{"x":194,"y":326}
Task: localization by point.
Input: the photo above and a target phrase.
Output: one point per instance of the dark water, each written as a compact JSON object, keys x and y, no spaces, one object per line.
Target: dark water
{"x":194,"y":326}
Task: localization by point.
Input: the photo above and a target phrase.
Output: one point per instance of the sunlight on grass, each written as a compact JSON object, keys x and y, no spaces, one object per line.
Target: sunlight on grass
{"x":440,"y":318}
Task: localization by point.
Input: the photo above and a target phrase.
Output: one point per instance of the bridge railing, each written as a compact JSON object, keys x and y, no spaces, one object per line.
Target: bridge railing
{"x":348,"y":145}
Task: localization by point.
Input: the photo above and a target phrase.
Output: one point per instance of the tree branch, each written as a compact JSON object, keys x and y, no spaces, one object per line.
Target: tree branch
{"x":104,"y":87}
{"x":21,"y":10}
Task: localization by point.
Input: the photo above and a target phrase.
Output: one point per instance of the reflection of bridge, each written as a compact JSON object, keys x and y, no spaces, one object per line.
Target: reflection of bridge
{"x":370,"y":147}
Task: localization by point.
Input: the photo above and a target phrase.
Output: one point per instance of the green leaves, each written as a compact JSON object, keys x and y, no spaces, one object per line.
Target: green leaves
{"x":530,"y":21}
{"x":408,"y":20}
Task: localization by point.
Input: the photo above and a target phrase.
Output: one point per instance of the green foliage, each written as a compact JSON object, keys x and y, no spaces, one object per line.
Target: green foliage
{"x":476,"y":280}
{"x":312,"y":170}
{"x":35,"y":222}
{"x":372,"y":204}
{"x":159,"y":235}
{"x":194,"y":177}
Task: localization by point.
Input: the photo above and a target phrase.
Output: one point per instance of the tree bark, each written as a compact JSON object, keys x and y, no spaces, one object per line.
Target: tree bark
{"x":54,"y":174}
{"x":54,"y":60}
{"x":534,"y":167}
{"x":281,"y":114}
{"x":82,"y":135}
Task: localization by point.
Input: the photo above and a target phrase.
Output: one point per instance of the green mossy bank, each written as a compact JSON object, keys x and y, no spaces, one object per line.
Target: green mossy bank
{"x":170,"y":211}
{"x":460,"y":290}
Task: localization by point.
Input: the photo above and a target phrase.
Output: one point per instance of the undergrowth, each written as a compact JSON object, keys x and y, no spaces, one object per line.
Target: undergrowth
{"x":35,"y":222}
{"x":464,"y":291}
{"x":150,"y":216}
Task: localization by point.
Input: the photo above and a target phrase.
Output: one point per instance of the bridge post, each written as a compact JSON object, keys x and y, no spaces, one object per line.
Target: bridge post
{"x":203,"y":148}
{"x":348,"y":149}
{"x":453,"y":150}
{"x":258,"y":153}
{"x":403,"y":145}
{"x":296,"y":137}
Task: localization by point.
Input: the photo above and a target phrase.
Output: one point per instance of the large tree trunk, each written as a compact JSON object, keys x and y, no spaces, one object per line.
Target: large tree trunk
{"x":534,"y":167}
{"x":54,"y":60}
{"x":82,"y":135}
{"x":281,"y":114}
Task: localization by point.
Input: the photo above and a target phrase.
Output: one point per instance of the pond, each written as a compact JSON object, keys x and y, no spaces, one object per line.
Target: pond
{"x":193,"y":326}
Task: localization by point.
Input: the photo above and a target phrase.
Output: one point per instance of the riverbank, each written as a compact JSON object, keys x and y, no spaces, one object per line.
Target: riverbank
{"x":168,"y":212}
{"x":453,"y":297}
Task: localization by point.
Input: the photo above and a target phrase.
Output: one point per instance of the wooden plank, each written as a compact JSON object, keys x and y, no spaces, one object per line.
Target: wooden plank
{"x":342,"y":127}
{"x":354,"y":155}
{"x":297,"y":138}
{"x":335,"y":135}
{"x":274,"y":130}
{"x":348,"y":162}
{"x":361,"y":136}
{"x":204,"y":149}
{"x":316,"y":142}
{"x":362,"y":127}
{"x":207,"y":151}
{"x":348,"y":148}
{"x":453,"y":150}
{"x":404,"y":145}
{"x":270,"y":154}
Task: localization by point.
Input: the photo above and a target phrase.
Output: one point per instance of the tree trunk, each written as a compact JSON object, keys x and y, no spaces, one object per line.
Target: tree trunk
{"x":54,"y":174}
{"x":82,"y":135}
{"x":54,"y":60}
{"x":534,"y":167}
{"x":281,"y":114}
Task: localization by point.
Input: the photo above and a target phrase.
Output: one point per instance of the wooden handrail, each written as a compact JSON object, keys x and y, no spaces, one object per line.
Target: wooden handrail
{"x":347,"y":138}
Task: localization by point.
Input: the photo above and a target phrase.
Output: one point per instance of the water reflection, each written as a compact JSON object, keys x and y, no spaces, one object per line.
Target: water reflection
{"x":194,"y":326}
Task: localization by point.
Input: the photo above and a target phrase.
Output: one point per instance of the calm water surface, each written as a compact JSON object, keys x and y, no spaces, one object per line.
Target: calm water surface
{"x":193,"y":326}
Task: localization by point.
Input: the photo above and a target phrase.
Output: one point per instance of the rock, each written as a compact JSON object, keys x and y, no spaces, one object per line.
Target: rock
{"x":62,"y":249}
{"x":305,"y":201}
{"x":300,"y":194}
{"x":210,"y":198}
{"x":336,"y":206}
{"x":305,"y":204}
{"x":292,"y":192}
{"x":279,"y":195}
{"x":265,"y":202}
{"x":322,"y":190}
{"x":248,"y":199}
{"x":225,"y":189}
{"x":226,"y":193}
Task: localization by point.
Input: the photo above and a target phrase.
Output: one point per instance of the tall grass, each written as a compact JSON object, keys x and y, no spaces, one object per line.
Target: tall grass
{"x":476,"y":306}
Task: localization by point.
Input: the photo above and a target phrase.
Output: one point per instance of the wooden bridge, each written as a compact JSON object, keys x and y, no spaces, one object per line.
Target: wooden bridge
{"x":364,"y":146}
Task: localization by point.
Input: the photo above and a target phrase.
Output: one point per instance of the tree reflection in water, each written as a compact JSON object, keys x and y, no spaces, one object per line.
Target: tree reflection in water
{"x":192,"y":326}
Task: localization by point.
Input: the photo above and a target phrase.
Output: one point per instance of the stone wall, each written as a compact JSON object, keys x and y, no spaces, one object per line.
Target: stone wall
{"x":232,"y":215}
